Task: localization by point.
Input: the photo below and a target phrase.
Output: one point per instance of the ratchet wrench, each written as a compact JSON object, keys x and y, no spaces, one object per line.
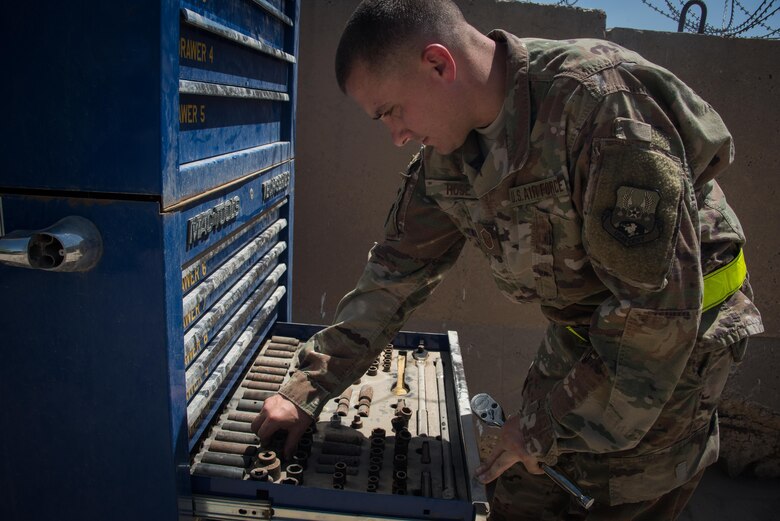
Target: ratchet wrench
{"x":489,"y":411}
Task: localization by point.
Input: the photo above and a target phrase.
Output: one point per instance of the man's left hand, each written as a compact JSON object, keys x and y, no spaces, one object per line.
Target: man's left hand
{"x":508,"y":451}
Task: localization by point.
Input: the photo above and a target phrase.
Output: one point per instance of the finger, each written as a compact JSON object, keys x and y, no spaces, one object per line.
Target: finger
{"x":293,"y":437}
{"x":486,"y":464}
{"x":533,"y":467}
{"x":494,"y":454}
{"x":499,"y":465}
{"x":257,"y":422}
{"x":267,"y":429}
{"x":290,"y":444}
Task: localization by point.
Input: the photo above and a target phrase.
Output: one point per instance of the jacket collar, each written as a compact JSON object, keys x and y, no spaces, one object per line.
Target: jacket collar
{"x":484,"y":175}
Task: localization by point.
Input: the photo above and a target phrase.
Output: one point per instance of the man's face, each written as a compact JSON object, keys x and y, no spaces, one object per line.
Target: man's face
{"x":414,"y":100}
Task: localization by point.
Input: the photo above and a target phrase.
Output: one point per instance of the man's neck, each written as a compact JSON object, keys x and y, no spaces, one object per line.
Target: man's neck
{"x":488,"y":88}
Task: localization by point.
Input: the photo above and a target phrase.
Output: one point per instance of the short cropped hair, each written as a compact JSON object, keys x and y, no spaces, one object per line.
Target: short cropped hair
{"x":379,"y":28}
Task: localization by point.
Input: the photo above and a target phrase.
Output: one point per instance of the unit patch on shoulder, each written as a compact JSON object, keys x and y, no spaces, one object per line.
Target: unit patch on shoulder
{"x":633,"y":220}
{"x":632,"y":211}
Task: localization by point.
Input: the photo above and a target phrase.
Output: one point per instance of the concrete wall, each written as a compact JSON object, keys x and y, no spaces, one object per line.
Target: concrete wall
{"x":741,"y":80}
{"x":347,"y":177}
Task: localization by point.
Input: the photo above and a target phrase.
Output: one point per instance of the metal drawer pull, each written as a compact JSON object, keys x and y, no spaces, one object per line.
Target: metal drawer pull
{"x":70,"y":244}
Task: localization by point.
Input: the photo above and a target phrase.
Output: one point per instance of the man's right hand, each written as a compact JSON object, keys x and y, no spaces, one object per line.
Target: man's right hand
{"x":279,"y":413}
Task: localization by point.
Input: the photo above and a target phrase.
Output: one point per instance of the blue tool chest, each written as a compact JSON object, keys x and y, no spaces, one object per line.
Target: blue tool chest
{"x":166,"y":99}
{"x":169,"y":126}
{"x":146,"y":246}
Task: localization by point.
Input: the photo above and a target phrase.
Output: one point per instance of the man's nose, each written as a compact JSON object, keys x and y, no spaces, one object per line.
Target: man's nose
{"x":401,"y":136}
{"x":398,"y":132}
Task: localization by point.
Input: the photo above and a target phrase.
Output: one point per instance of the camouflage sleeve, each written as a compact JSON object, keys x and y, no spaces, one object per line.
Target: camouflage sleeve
{"x":640,"y":231}
{"x":421,"y":244}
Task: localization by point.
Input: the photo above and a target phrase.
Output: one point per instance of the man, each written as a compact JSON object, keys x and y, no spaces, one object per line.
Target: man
{"x":585,"y":175}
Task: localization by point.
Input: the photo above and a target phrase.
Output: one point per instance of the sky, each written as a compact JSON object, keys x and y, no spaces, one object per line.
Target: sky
{"x":637,"y":15}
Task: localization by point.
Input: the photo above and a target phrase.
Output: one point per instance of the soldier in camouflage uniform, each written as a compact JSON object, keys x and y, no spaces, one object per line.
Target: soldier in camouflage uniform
{"x":586,"y":176}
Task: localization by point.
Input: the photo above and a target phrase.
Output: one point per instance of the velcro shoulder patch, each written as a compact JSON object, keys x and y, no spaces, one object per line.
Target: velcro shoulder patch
{"x":631,"y":221}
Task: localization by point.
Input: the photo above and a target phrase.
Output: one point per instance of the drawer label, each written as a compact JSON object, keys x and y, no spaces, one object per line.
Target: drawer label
{"x":200,"y":226}
{"x":276,"y":185}
{"x":190,"y":113}
{"x":192,"y":276}
{"x":195,"y":50}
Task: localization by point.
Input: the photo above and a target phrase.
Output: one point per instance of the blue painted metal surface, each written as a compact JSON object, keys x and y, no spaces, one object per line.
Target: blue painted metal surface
{"x":342,"y":502}
{"x":197,"y":270}
{"x":212,"y":126}
{"x":227,"y":133}
{"x":229,"y":385}
{"x":102,"y":112}
{"x":251,"y":205}
{"x":106,"y":126}
{"x":204,"y":56}
{"x":246,"y":17}
{"x":92,"y":375}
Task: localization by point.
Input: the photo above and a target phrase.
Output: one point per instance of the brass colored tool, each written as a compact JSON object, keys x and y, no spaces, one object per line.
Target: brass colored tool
{"x":400,"y":387}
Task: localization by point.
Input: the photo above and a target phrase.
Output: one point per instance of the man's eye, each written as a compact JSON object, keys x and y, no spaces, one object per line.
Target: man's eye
{"x":386,"y":114}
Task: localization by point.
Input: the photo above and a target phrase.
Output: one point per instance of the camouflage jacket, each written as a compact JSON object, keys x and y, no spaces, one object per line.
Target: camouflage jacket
{"x":598,"y":201}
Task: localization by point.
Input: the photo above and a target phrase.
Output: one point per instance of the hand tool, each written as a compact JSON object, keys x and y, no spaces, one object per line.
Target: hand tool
{"x":365,"y":396}
{"x":400,"y":388}
{"x":489,"y":411}
{"x":344,"y":399}
{"x":448,"y":486}
{"x":420,"y":356}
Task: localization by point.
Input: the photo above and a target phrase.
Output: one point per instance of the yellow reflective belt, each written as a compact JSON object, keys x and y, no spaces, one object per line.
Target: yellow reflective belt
{"x":573,"y":332}
{"x":723,"y":282}
{"x":718,"y":286}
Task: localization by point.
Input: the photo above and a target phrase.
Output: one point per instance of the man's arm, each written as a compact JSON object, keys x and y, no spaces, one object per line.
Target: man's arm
{"x":641,"y":233}
{"x":421,"y":244}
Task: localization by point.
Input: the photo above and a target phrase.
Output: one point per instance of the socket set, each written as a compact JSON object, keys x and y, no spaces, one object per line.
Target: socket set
{"x":394,"y":432}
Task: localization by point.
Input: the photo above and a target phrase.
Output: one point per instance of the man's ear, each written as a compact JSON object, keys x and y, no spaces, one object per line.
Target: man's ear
{"x":440,"y":61}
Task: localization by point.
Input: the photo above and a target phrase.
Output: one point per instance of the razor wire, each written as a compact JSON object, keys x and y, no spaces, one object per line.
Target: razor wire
{"x":736,"y":20}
